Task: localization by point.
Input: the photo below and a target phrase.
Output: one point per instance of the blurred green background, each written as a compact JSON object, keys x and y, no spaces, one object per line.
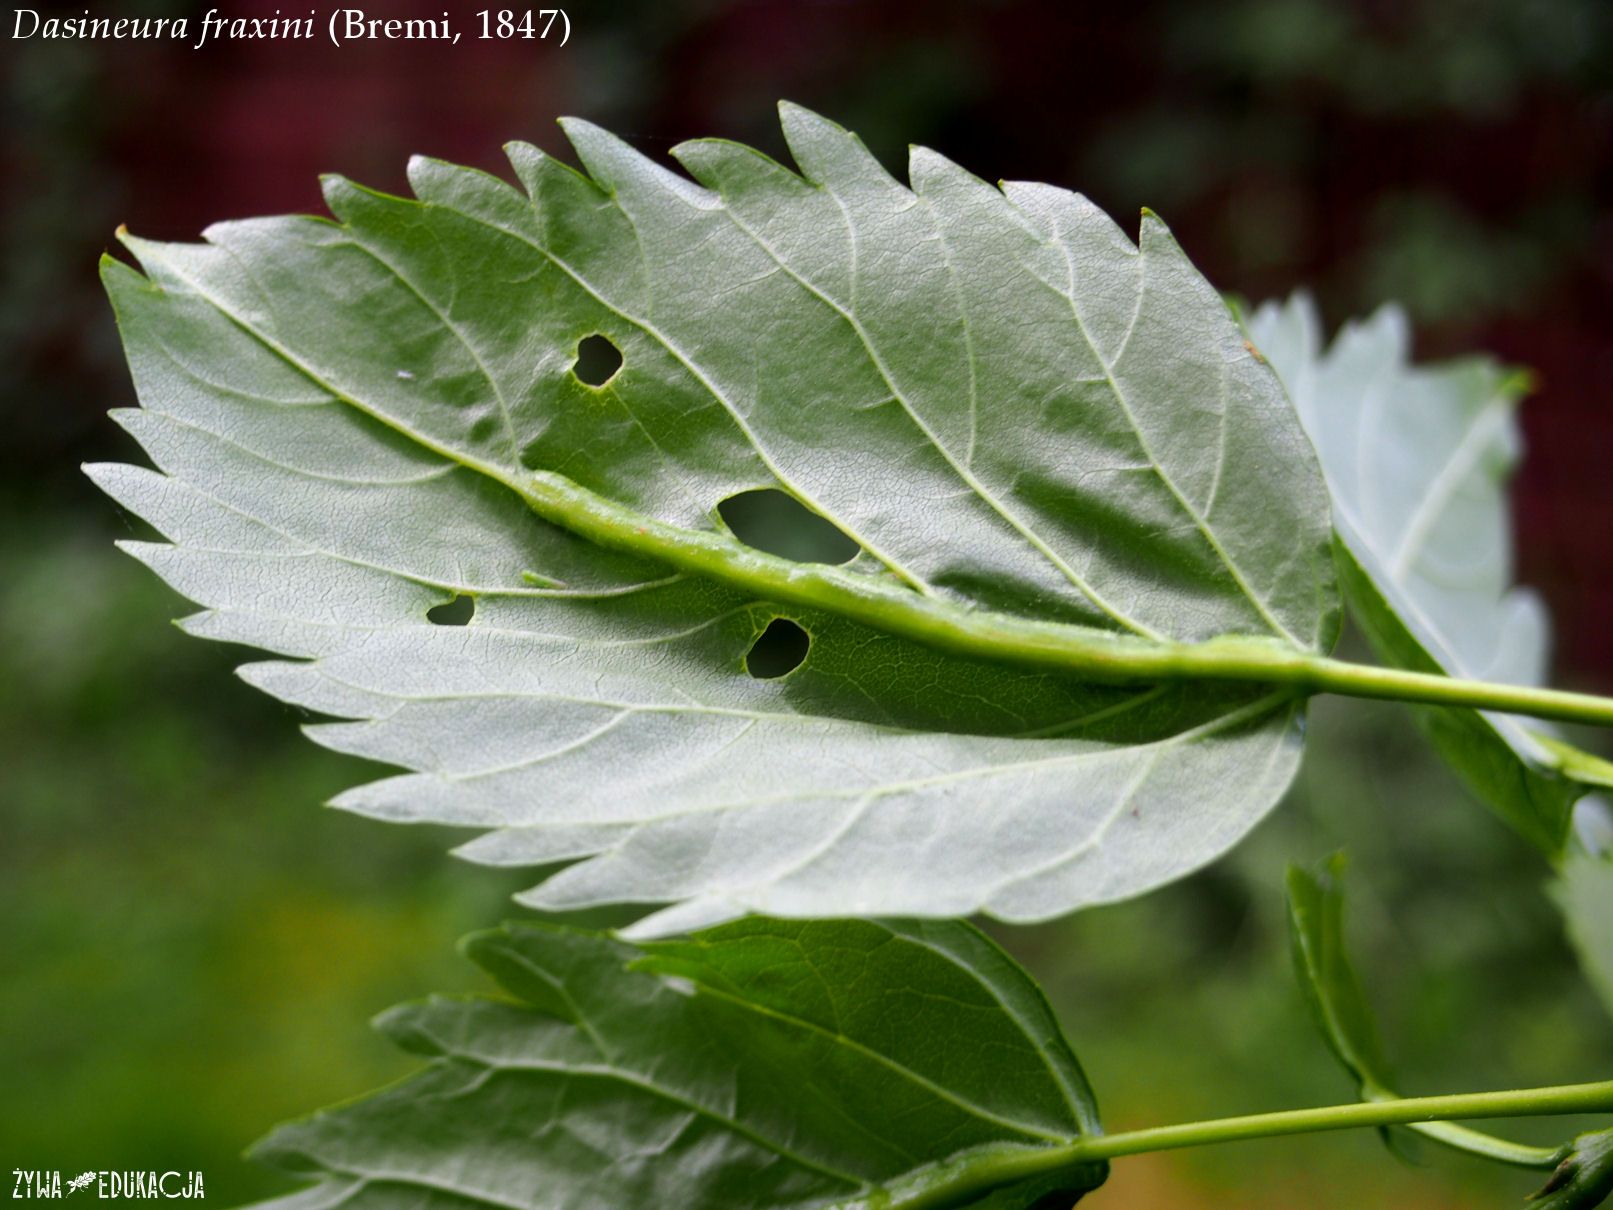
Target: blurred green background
{"x":193,"y":945}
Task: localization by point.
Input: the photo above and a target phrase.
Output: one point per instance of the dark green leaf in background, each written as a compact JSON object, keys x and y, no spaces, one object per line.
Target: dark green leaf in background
{"x":763,"y":1064}
{"x":1021,"y":419}
{"x":1416,"y":459}
{"x":1333,"y":990}
{"x":1331,"y":986}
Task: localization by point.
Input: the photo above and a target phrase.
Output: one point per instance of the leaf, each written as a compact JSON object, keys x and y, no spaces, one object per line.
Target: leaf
{"x":764,"y":1064}
{"x":1039,"y":435}
{"x":1339,"y":1006}
{"x":1416,"y":459}
{"x":1584,"y":891}
{"x":1328,"y":978}
{"x":1584,"y":1179}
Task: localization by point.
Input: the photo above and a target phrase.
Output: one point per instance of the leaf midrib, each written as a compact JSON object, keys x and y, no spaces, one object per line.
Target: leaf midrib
{"x":1443,"y":485}
{"x":612,"y":1071}
{"x":1099,"y":654}
{"x":885,"y":1061}
{"x":961,"y":469}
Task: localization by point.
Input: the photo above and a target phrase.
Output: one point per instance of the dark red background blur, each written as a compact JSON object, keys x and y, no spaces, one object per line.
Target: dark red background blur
{"x":1456,"y":155}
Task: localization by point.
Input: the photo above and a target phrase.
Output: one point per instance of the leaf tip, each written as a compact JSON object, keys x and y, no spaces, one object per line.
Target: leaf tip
{"x":473,"y":943}
{"x":581,"y":132}
{"x":924,"y":165}
{"x":1154,"y":233}
{"x":110,"y":265}
{"x":1518,"y":381}
{"x":102,"y":474}
{"x":799,"y":122}
{"x":339,"y":192}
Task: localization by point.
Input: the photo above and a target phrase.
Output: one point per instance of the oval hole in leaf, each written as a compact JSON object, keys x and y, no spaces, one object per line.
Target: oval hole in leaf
{"x":778,"y":523}
{"x":457,"y":612}
{"x":779,"y":649}
{"x":597,"y":360}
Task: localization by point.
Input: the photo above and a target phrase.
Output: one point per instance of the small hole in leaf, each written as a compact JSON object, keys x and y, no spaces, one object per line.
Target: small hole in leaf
{"x":597,"y":360}
{"x":457,"y":612}
{"x":778,"y":649}
{"x":778,"y":523}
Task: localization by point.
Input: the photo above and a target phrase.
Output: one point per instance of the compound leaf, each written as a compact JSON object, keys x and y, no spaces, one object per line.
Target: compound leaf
{"x":1416,"y":459}
{"x":763,"y":1064}
{"x":1027,"y":426}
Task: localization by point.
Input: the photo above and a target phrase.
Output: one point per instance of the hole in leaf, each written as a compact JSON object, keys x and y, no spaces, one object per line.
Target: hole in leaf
{"x":778,"y":649}
{"x":597,"y":360}
{"x":778,"y":523}
{"x":457,"y":612}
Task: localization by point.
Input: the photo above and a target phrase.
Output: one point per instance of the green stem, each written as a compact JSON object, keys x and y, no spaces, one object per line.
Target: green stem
{"x":1476,"y":1142}
{"x":1407,"y":1111}
{"x":889,"y":605}
{"x":914,"y":610}
{"x":988,"y":1172}
{"x":1361,"y":680}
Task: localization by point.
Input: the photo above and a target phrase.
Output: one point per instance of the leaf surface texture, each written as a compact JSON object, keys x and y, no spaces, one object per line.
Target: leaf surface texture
{"x":1020,"y":418}
{"x":765,"y":1064}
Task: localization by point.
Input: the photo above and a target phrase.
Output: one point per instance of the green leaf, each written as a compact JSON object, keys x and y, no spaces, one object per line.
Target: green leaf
{"x":766,"y":1064}
{"x":1416,"y":459}
{"x":1584,"y":1179}
{"x":1339,"y":1005}
{"x":1042,"y":438}
{"x":1584,"y":891}
{"x":1331,"y":986}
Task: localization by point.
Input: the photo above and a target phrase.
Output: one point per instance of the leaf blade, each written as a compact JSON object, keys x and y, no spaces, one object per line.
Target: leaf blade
{"x":680,"y":1088}
{"x":1416,"y":460}
{"x":363,"y":419}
